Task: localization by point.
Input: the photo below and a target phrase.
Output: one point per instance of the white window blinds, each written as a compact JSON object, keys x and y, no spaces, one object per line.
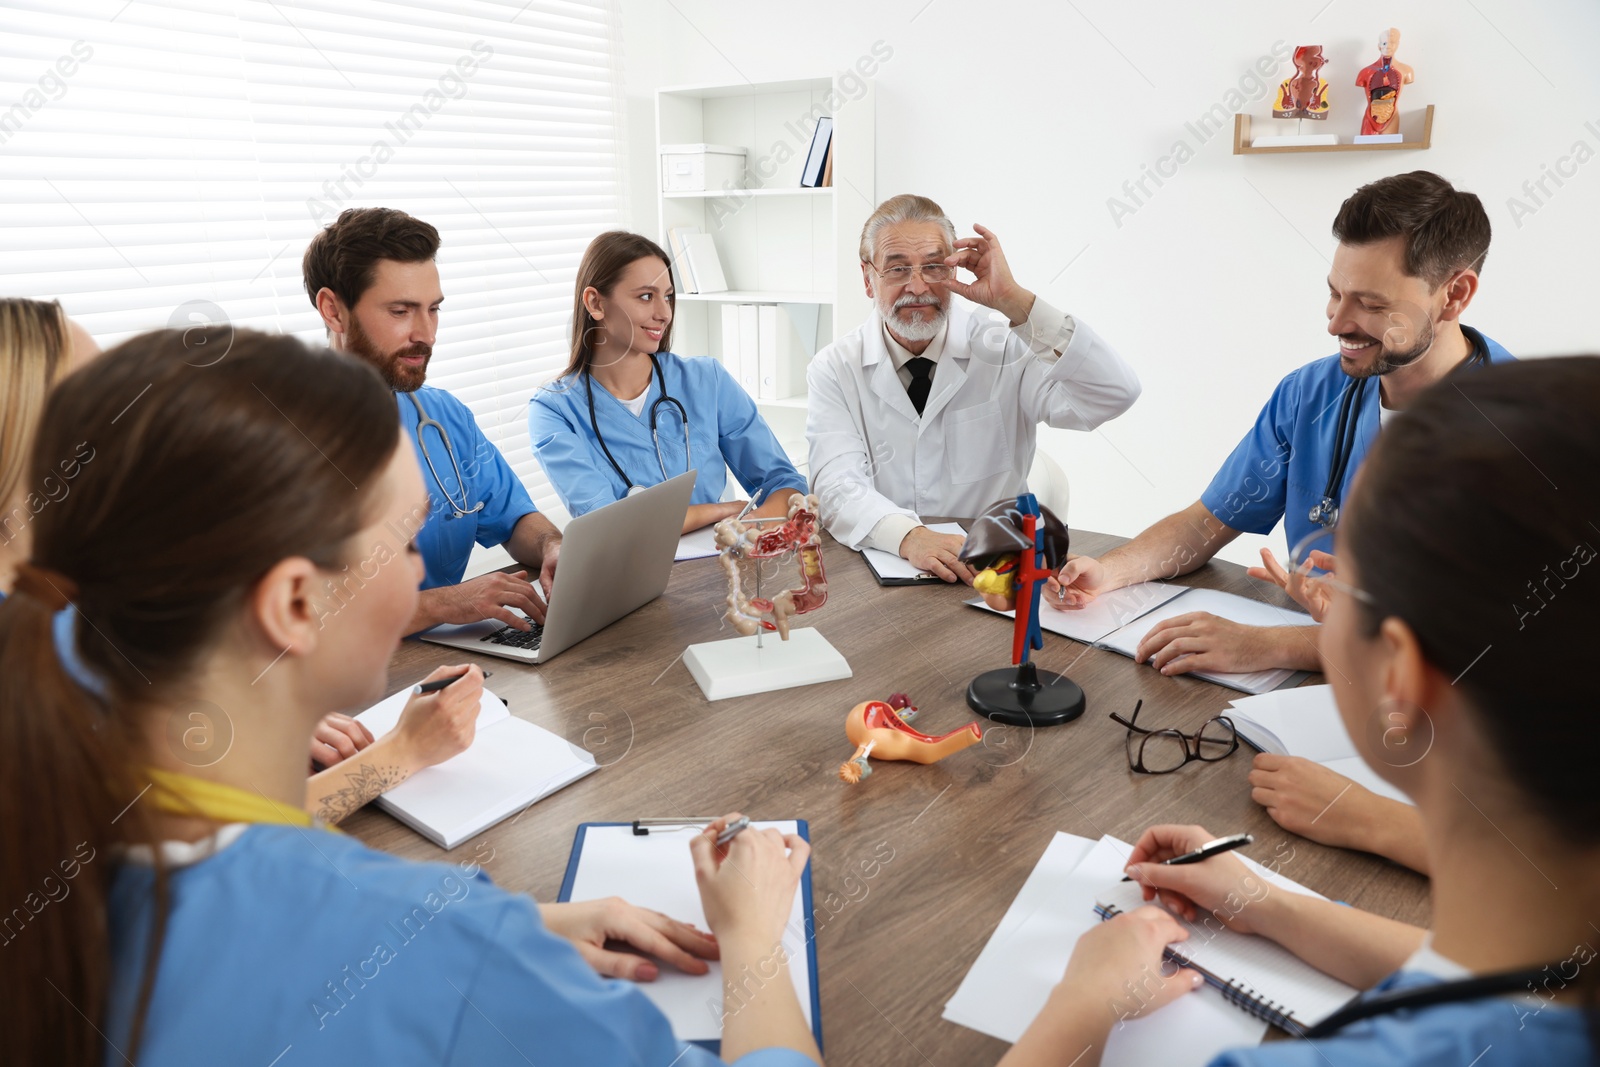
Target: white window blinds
{"x":167,"y":162}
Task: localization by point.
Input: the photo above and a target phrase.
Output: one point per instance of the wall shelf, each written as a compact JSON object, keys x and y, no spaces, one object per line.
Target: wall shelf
{"x":1242,"y":146}
{"x":759,"y":296}
{"x":740,"y":194}
{"x":792,"y":403}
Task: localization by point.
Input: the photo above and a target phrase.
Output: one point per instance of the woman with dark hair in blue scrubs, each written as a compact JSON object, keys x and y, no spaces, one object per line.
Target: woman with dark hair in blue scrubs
{"x":627,"y":413}
{"x":1467,"y":694}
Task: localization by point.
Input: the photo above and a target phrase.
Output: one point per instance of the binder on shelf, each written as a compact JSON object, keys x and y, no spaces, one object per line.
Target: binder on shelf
{"x":749,"y":349}
{"x":817,"y":156}
{"x":778,"y":359}
{"x":734,"y":357}
{"x":652,"y":868}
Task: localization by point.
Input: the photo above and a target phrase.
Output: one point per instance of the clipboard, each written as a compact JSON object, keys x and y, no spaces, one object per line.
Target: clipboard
{"x":631,"y":831}
{"x":889,"y":569}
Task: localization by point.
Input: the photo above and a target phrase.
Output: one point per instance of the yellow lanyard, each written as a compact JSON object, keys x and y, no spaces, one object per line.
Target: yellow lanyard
{"x":184,"y":794}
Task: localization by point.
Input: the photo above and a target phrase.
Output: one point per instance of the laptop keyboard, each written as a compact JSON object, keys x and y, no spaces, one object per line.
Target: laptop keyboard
{"x":515,"y":638}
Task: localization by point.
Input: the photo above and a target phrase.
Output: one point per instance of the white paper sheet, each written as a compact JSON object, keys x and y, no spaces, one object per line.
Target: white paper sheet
{"x":697,"y":544}
{"x":1225,"y":605}
{"x":889,"y":565}
{"x":1013,"y":975}
{"x":510,"y":764}
{"x":1101,"y":616}
{"x":655,"y":871}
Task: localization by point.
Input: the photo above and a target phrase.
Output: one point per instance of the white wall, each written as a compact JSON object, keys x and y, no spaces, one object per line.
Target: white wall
{"x":1029,"y":115}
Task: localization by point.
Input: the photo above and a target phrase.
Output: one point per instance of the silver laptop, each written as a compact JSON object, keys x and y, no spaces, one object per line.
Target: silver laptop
{"x":613,"y":560}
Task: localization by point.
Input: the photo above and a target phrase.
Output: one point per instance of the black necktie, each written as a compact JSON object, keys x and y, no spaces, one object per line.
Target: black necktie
{"x":921,"y":381}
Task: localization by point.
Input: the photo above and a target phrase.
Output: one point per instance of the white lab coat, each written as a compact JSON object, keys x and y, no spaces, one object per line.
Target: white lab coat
{"x":872,"y":456}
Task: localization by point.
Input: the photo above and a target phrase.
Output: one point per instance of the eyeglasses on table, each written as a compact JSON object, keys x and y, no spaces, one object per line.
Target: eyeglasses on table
{"x":1166,"y":750}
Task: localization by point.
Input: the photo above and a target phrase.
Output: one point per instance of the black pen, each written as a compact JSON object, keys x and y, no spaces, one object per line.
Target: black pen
{"x":1206,"y":851}
{"x":440,"y":683}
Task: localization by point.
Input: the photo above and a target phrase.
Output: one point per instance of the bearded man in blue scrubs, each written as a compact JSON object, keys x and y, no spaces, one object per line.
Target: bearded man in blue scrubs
{"x":371,"y":276}
{"x":1411,"y":247}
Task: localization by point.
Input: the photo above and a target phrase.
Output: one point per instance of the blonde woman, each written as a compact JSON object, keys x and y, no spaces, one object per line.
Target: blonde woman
{"x":39,"y":346}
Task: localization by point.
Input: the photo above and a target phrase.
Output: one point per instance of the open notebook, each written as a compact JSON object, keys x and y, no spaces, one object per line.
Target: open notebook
{"x":1119,"y":620}
{"x":1024,"y":958}
{"x":697,"y":544}
{"x":655,"y":871}
{"x":1259,"y":976}
{"x":1305,"y":722}
{"x":890,"y":569}
{"x":510,"y":764}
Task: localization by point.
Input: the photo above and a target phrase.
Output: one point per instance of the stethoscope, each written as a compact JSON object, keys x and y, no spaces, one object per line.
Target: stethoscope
{"x":655,"y":409}
{"x":1452,"y":992}
{"x":1325,"y":512}
{"x":460,"y":510}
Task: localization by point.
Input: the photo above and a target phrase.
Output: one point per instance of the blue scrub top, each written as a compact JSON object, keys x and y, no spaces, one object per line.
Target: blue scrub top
{"x":1281,"y":467}
{"x":445,"y":540}
{"x":1521,"y":1028}
{"x":725,"y":431}
{"x":63,"y":630}
{"x":304,"y":940}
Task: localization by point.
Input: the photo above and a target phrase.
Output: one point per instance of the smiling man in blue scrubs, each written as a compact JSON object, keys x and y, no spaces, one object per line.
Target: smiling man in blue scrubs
{"x":371,"y":275}
{"x":1411,"y":247}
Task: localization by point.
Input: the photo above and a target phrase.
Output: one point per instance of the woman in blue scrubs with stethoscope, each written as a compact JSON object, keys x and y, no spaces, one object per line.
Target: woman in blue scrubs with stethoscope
{"x":1462,"y":684}
{"x":627,"y":413}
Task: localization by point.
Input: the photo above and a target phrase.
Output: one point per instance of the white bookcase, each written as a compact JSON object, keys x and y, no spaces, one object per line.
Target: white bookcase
{"x":778,"y":243}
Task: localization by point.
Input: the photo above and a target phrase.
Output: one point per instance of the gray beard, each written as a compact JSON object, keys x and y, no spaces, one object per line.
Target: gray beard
{"x":933,"y":318}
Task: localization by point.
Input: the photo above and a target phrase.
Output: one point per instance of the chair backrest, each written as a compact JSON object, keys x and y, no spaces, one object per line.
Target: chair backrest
{"x":1048,"y":482}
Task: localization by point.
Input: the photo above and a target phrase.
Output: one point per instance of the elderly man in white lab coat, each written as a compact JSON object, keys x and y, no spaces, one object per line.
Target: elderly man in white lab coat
{"x":929,"y":409}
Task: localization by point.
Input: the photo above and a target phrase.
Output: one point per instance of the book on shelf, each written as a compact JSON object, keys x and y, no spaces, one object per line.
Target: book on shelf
{"x":683,"y":278}
{"x":704,"y":263}
{"x":816,"y":166}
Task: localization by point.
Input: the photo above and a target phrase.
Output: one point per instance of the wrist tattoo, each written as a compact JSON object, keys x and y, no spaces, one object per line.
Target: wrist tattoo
{"x":362,"y":785}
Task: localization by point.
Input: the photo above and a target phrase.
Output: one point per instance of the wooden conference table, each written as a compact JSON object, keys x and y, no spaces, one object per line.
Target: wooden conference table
{"x":963,"y":834}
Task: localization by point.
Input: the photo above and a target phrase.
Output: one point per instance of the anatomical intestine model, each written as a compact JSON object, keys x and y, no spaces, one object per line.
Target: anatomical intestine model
{"x":1304,"y":94}
{"x":799,"y":533}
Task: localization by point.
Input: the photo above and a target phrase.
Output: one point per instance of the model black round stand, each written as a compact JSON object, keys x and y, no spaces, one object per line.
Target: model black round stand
{"x":1025,"y":696}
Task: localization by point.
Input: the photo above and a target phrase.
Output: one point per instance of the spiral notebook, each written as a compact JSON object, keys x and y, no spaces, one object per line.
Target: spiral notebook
{"x":1259,"y":976}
